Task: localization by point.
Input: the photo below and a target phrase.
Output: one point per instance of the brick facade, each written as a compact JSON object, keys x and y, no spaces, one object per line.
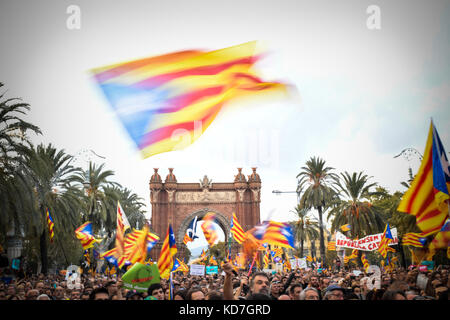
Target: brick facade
{"x":177,"y":203}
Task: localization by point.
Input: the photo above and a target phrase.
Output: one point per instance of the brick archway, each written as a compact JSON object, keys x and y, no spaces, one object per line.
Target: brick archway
{"x":177,"y":204}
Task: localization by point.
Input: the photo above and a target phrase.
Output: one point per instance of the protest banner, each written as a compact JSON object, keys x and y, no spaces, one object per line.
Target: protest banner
{"x":368,"y":243}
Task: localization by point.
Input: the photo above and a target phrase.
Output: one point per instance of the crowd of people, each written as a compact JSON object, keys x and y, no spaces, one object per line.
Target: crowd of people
{"x":299,"y":284}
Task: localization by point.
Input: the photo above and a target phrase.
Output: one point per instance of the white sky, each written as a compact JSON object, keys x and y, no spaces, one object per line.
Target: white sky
{"x":365,"y":95}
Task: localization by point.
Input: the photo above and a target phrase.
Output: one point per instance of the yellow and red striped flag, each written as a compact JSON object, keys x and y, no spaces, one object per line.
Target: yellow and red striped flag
{"x":236,"y":230}
{"x":212,"y":261}
{"x":365,"y":262}
{"x":386,"y":238}
{"x":154,"y":97}
{"x":331,"y":246}
{"x":427,"y":198}
{"x":168,"y":250}
{"x":266,"y":259}
{"x":442,"y":238}
{"x":122,"y":226}
{"x":51,"y":225}
{"x":137,"y":249}
{"x":84,"y":234}
{"x":414,"y":239}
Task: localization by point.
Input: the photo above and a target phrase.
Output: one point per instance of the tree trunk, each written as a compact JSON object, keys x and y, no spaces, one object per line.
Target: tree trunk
{"x":43,"y":246}
{"x":322,"y":240}
{"x":301,"y":247}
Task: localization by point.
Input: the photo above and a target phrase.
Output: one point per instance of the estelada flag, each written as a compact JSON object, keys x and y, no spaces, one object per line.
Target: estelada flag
{"x":168,"y":250}
{"x":154,"y":97}
{"x":427,"y":198}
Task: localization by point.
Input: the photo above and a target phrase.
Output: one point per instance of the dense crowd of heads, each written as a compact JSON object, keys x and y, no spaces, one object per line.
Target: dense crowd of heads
{"x":299,"y":284}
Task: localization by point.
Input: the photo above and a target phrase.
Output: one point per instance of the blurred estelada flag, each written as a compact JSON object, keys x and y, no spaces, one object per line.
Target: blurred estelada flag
{"x":158,"y":97}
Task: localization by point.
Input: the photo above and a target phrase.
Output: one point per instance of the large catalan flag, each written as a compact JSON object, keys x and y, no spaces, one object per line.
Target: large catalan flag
{"x":168,"y":250}
{"x":156,"y":97}
{"x":84,"y":234}
{"x":386,"y":238}
{"x":427,"y":198}
{"x":209,"y":229}
{"x":137,"y":249}
{"x":51,"y":225}
{"x":236,"y":230}
{"x":133,"y":237}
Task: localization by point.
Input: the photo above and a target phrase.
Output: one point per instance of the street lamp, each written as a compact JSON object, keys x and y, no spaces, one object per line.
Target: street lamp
{"x":278,"y":191}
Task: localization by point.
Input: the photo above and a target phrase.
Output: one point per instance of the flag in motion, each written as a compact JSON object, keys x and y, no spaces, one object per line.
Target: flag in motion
{"x":168,"y":250}
{"x":346,"y":227}
{"x":427,"y":198}
{"x":209,"y":229}
{"x":50,"y":226}
{"x":275,"y":233}
{"x":84,"y":234}
{"x":191,"y":231}
{"x":155,"y":98}
{"x":236,"y":230}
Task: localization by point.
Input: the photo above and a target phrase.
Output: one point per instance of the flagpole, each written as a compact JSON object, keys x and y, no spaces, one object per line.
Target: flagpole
{"x":253,"y":262}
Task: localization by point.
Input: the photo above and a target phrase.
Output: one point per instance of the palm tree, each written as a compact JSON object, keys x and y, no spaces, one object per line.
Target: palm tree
{"x":49,"y":185}
{"x":305,"y":228}
{"x":315,"y":187}
{"x":13,"y":142}
{"x":356,"y":209}
{"x":13,"y":133}
{"x":98,"y":207}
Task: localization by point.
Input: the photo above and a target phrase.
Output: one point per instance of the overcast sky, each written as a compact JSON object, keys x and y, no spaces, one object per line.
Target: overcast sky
{"x":364,"y":95}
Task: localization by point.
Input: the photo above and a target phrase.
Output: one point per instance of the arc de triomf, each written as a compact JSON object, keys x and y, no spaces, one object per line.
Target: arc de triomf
{"x":178,"y":203}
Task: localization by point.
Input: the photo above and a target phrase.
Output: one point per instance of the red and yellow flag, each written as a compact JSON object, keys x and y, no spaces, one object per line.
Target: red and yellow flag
{"x":427,"y":198}
{"x":168,"y":250}
{"x":236,"y":230}
{"x":156,"y":96}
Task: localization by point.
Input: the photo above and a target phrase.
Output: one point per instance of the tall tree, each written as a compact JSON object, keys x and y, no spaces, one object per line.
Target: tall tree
{"x":354,"y":206}
{"x":306,"y":228}
{"x":13,"y":141}
{"x":51,"y":178}
{"x":315,"y":191}
{"x":97,"y":207}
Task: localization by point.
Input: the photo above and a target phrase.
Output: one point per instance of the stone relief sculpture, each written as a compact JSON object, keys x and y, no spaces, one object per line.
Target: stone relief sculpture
{"x":205,"y":196}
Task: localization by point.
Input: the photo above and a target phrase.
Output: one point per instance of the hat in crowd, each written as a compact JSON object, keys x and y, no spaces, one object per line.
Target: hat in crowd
{"x":334,"y":287}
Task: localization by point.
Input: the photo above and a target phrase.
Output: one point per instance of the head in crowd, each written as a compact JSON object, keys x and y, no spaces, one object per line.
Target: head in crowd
{"x":156,"y":290}
{"x":260,"y":283}
{"x":309,"y":293}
